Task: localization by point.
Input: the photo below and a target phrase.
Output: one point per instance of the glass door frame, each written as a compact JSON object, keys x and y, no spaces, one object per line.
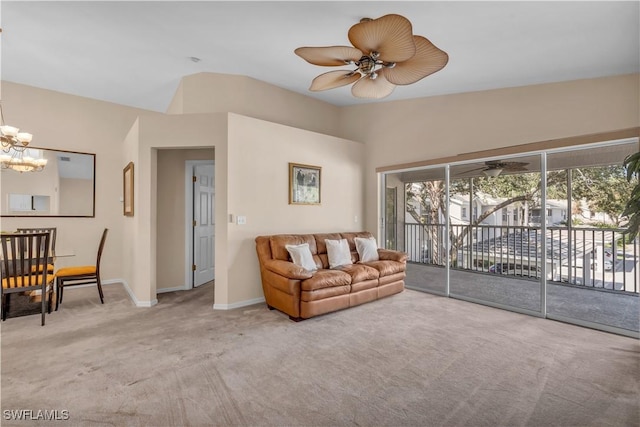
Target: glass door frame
{"x":543,"y":224}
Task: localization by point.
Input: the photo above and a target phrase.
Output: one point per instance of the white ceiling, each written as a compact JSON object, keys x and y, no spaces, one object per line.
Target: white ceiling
{"x":135,"y":53}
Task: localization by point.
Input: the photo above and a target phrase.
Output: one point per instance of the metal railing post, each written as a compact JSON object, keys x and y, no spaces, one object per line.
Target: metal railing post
{"x":543,"y":224}
{"x":446,"y":228}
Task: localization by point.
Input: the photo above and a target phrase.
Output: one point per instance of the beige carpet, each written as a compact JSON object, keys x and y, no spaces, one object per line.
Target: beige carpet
{"x":410,"y":359}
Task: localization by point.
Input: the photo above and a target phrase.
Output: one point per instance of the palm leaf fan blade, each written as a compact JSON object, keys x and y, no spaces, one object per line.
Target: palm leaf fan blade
{"x":372,"y":88}
{"x":333,"y":79}
{"x":427,"y":60}
{"x":515,"y":166}
{"x":329,"y":56}
{"x":391,"y":36}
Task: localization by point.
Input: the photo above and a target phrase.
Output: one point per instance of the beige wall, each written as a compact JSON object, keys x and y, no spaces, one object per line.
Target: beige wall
{"x":66,"y":122}
{"x":130,"y":229}
{"x":273,"y":127}
{"x":152,"y":133}
{"x":76,"y":195}
{"x":251,"y":179}
{"x":171,"y":215}
{"x":441,"y":126}
{"x":258,"y":161}
{"x":213,"y":93}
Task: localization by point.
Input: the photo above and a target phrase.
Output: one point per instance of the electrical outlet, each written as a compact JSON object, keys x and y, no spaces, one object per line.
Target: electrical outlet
{"x":241,"y":219}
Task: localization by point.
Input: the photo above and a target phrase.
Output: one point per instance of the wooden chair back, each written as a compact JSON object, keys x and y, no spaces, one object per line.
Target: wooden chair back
{"x":100,"y":248}
{"x":23,"y":259}
{"x":52,"y":230}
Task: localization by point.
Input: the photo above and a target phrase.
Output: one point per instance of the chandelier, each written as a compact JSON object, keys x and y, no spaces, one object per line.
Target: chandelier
{"x":11,"y":138}
{"x":16,"y":156}
{"x":23,"y":160}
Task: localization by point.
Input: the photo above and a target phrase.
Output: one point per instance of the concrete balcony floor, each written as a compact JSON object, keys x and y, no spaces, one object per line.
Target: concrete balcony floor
{"x":611,"y":309}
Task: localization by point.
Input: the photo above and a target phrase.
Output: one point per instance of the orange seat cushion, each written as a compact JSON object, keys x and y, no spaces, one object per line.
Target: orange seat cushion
{"x":25,"y":281}
{"x":50,"y":268}
{"x":84,"y":270}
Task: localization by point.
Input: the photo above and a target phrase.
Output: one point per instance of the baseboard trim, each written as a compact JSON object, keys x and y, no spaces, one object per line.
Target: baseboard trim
{"x":104,"y":282}
{"x":124,"y":283}
{"x":238,"y":304}
{"x":136,"y":301}
{"x":177,"y":288}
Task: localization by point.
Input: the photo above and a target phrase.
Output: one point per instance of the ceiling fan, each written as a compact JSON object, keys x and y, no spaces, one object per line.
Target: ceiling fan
{"x":493,"y":168}
{"x":385,"y":54}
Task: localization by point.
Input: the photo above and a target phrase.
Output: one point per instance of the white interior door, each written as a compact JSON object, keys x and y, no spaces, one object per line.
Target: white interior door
{"x":203,"y":224}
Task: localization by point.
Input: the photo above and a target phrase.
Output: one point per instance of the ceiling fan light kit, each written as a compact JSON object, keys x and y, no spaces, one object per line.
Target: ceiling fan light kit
{"x":385,"y":54}
{"x":492,"y":173}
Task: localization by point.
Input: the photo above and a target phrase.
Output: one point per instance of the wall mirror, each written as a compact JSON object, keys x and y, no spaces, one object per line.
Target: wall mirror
{"x":64,"y":188}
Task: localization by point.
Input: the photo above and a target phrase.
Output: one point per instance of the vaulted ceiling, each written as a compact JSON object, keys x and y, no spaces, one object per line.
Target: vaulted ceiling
{"x":135,"y":53}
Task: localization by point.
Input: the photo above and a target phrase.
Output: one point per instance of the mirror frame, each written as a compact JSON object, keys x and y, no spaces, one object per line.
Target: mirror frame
{"x":93,"y":202}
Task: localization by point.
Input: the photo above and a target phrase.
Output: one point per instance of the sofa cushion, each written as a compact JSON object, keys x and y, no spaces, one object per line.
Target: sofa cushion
{"x":367,"y":249}
{"x":320,"y":238}
{"x":278,"y":244}
{"x":352,"y":236}
{"x":338,"y":253}
{"x":301,"y":256}
{"x":325,"y":279}
{"x":387,"y":268}
{"x":360,"y":272}
{"x":387,"y":254}
{"x":324,"y":293}
{"x":287,"y":269}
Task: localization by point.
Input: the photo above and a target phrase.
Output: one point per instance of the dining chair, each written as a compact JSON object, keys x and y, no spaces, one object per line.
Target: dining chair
{"x":52,"y":242}
{"x":24,"y":257}
{"x":81,"y":275}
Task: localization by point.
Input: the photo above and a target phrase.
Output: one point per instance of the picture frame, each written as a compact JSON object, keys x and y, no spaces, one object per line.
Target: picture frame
{"x":304,"y":184}
{"x":127,"y":192}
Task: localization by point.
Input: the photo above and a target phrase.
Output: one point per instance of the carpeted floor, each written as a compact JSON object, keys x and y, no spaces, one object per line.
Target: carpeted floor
{"x":411,"y":359}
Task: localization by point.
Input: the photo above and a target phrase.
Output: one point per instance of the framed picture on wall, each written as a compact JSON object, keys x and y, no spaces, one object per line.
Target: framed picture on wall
{"x":127,"y":192}
{"x":304,"y":184}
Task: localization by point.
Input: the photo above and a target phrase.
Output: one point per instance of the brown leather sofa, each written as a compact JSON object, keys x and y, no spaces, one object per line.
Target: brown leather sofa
{"x":303,"y":294}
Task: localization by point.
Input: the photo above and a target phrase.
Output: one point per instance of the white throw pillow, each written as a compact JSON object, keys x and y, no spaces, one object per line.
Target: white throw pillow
{"x":338,"y":253}
{"x":301,"y":256}
{"x":367,"y":249}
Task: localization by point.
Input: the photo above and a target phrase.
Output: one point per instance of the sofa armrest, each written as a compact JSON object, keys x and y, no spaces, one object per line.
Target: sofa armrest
{"x":389,"y":255}
{"x":287,"y":269}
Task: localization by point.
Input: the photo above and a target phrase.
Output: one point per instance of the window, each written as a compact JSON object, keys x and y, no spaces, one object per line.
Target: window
{"x":549,"y":212}
{"x":464,"y":212}
{"x":515,"y":215}
{"x":505,"y":216}
{"x":475,"y":212}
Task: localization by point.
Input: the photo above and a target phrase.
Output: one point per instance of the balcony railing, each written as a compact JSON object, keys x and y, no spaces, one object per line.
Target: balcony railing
{"x":590,"y":257}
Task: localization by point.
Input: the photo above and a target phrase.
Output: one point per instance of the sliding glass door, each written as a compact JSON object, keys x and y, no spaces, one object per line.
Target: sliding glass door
{"x":539,"y":233}
{"x":594,"y":278}
{"x":421,"y":231}
{"x":496,"y":248}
